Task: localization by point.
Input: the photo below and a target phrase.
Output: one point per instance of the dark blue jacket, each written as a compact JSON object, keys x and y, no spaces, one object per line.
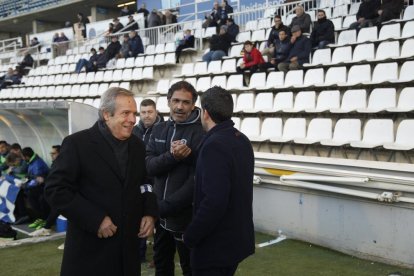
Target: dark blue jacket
{"x":221,"y":233}
{"x":145,"y":133}
{"x":282,"y":50}
{"x":274,"y":34}
{"x":136,"y":46}
{"x":233,"y":30}
{"x":37,"y":167}
{"x":174,"y":180}
{"x":324,"y":30}
{"x":301,"y":49}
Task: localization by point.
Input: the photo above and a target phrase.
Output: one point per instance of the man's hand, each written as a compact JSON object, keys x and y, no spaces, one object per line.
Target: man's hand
{"x":107,"y":228}
{"x":379,"y":12}
{"x":361,"y":19}
{"x":180,"y":150}
{"x":146,"y":228}
{"x":293,"y":39}
{"x":294,"y":59}
{"x":40,"y":179}
{"x":242,"y":65}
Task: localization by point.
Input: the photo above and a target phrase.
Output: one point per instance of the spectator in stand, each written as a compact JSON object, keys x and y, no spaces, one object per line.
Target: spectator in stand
{"x":16,"y":77}
{"x":225,"y":5}
{"x":110,"y":30}
{"x":219,"y":45}
{"x":26,"y":62}
{"x":186,"y":42}
{"x":117,"y":25}
{"x":34,"y":187}
{"x":367,"y":14}
{"x":145,"y":12}
{"x":83,"y":20}
{"x":274,"y":36}
{"x":125,"y":46}
{"x":132,"y":24}
{"x":126,"y":11}
{"x":154,"y":20}
{"x":223,"y":15}
{"x":252,"y":60}
{"x":170,"y":18}
{"x":101,"y":59}
{"x":90,"y":65}
{"x":149,"y":117}
{"x":4,"y":151}
{"x":215,"y":15}
{"x":46,"y":230}
{"x":135,"y":44}
{"x":232,"y":29}
{"x":6,"y":79}
{"x":113,"y":48}
{"x":302,"y":19}
{"x":389,"y":9}
{"x":162,"y":17}
{"x":34,"y":41}
{"x":323,"y":32}
{"x":299,"y":54}
{"x":62,"y":44}
{"x":55,"y":37}
{"x":111,"y":64}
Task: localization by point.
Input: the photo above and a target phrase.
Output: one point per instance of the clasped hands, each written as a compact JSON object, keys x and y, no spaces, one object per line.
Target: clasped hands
{"x":107,"y":228}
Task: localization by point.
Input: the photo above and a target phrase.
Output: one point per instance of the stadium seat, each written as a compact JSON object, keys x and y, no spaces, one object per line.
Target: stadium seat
{"x":379,"y":100}
{"x":358,"y":74}
{"x":84,"y":90}
{"x":326,"y":3}
{"x":313,"y":77}
{"x":257,"y":80}
{"x":294,"y":128}
{"x":219,"y":81}
{"x":148,"y":73}
{"x":81,"y":78}
{"x":117,"y":75}
{"x":264,"y":23}
{"x":67,"y":89}
{"x":342,"y":54}
{"x":139,"y":61}
{"x":50,"y":80}
{"x":159,"y":59}
{"x":186,"y":70}
{"x":407,"y":48}
{"x":58,"y":91}
{"x":102,"y":88}
{"x":405,"y":101}
{"x":345,"y":132}
{"x":339,"y":11}
{"x":149,"y":60}
{"x":351,"y":101}
{"x":150,"y":50}
{"x":335,"y":75}
{"x":160,"y":48}
{"x":243,"y":36}
{"x":303,"y":100}
{"x":137,"y":73}
{"x":244,"y":101}
{"x":271,"y":127}
{"x":90,"y":77}
{"x":275,"y":80}
{"x":263,"y":101}
{"x":321,"y":56}
{"x":127,"y":74}
{"x":250,"y":127}
{"x":75,"y":91}
{"x":376,"y":133}
{"x":214,"y":67}
{"x":169,"y":47}
{"x":258,"y":35}
{"x":389,"y":31}
{"x":236,"y":121}
{"x":408,"y":29}
{"x":388,"y":50}
{"x":192,"y":81}
{"x":162,"y":87}
{"x":129,"y":62}
{"x":326,"y":100}
{"x":93,"y":90}
{"x":162,"y":105}
{"x":408,"y":13}
{"x":406,"y":72}
{"x":108,"y":76}
{"x":354,"y":8}
{"x":200,"y":68}
{"x":72,"y":80}
{"x":367,"y":34}
{"x":319,"y":129}
{"x":293,"y":78}
{"x":337,"y":22}
{"x":384,"y":72}
{"x":348,"y":20}
{"x":283,"y":100}
{"x":228,"y":66}
{"x":404,"y":137}
{"x":364,"y":52}
{"x":235,"y":82}
{"x":209,"y":32}
{"x":203,"y":84}
{"x":120,"y":63}
{"x":251,"y":25}
{"x":347,"y":37}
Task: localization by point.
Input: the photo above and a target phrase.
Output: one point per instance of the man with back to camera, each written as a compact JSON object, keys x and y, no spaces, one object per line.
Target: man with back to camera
{"x":221,"y":233}
{"x":97,"y":183}
{"x":148,"y":118}
{"x":171,"y":162}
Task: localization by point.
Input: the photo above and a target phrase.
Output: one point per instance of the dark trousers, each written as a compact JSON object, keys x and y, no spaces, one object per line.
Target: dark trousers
{"x":252,"y":70}
{"x":221,"y":271}
{"x":83,"y":63}
{"x":165,"y":246}
{"x":37,"y":202}
{"x":142,"y":249}
{"x":51,"y":219}
{"x":178,"y":51}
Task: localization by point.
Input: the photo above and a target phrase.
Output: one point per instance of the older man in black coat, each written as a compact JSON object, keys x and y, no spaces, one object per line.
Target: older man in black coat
{"x":221,"y":233}
{"x":97,"y":182}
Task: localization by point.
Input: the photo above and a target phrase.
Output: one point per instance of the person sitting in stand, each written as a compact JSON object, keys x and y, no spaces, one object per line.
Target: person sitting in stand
{"x":281,"y":52}
{"x":6,"y":79}
{"x":389,"y":9}
{"x":324,"y":31}
{"x":135,"y":44}
{"x":302,"y":19}
{"x":219,"y":45}
{"x":117,"y":25}
{"x":113,"y":48}
{"x":367,"y":14}
{"x":232,"y":29}
{"x":26,"y":62}
{"x":215,"y":15}
{"x":132,"y":24}
{"x":186,"y":42}
{"x":299,"y":54}
{"x":274,"y":36}
{"x":89,"y":65}
{"x":252,"y":60}
{"x":125,"y":46}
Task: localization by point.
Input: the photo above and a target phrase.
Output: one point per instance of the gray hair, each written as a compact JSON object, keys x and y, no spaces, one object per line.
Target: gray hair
{"x":108,"y":100}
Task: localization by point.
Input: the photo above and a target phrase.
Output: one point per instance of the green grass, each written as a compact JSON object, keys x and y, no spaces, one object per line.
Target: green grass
{"x":290,"y":257}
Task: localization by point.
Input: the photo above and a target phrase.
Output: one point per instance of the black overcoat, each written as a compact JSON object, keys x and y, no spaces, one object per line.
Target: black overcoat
{"x":85,"y":185}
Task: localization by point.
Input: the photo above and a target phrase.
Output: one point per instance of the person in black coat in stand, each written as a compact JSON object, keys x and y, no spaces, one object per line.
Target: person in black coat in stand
{"x":186,"y":42}
{"x":97,"y":183}
{"x":324,"y":31}
{"x":221,"y":233}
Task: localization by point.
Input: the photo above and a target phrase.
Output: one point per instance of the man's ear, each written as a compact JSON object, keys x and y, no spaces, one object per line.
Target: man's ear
{"x":206,"y":115}
{"x":106,"y":115}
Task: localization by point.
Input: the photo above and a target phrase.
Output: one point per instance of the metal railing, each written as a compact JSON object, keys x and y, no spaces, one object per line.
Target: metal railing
{"x":10,"y":44}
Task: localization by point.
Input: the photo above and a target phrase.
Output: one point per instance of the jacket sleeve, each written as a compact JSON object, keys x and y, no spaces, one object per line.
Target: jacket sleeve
{"x":140,"y":46}
{"x":215,"y":184}
{"x":158,"y":163}
{"x":328,"y":32}
{"x":62,"y":190}
{"x":305,"y":26}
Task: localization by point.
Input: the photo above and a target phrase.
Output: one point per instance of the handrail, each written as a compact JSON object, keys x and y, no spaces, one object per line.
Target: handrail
{"x":14,"y":43}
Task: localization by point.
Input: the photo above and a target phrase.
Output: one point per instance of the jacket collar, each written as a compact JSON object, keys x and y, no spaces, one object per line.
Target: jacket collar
{"x":192,"y":119}
{"x":223,"y":125}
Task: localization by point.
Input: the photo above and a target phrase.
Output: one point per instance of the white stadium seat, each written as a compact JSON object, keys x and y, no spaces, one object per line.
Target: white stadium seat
{"x":376,"y":133}
{"x":326,"y":100}
{"x":283,"y":100}
{"x":303,"y":100}
{"x":244,"y":101}
{"x":342,"y":54}
{"x":351,"y":101}
{"x":404,"y":137}
{"x":345,"y":132}
{"x":294,"y":128}
{"x":405,"y":101}
{"x":319,"y":129}
{"x":379,"y":100}
{"x":251,"y":127}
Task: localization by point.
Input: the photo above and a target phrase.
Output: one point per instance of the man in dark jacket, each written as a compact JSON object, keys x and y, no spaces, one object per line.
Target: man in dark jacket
{"x":367,"y":13}
{"x":299,"y":54}
{"x":132,"y":24}
{"x":118,"y":26}
{"x":389,"y":9}
{"x":281,"y":52}
{"x":135,"y":44}
{"x":232,"y":29}
{"x":187,"y":42}
{"x":113,"y":48}
{"x":324,"y":31}
{"x":171,"y":162}
{"x":219,"y":45}
{"x":97,"y":183}
{"x":88,"y":64}
{"x":274,"y":36}
{"x":302,"y":19}
{"x":221,"y":233}
{"x":144,"y":10}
